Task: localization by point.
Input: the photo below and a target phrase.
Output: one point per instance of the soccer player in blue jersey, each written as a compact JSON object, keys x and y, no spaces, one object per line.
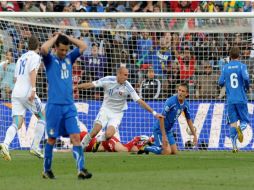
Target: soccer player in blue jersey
{"x":235,"y":77}
{"x":61,"y":113}
{"x":164,"y":142}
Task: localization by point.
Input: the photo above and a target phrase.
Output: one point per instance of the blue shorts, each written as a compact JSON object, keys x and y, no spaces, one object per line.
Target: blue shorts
{"x":238,"y":112}
{"x":61,"y":120}
{"x":158,"y":138}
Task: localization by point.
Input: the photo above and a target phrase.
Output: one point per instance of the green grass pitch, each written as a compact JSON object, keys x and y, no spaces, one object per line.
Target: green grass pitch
{"x":123,"y":171}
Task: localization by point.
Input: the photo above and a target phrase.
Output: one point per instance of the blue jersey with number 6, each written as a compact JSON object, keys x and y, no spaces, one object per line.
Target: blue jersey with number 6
{"x":235,"y":77}
{"x":59,"y":75}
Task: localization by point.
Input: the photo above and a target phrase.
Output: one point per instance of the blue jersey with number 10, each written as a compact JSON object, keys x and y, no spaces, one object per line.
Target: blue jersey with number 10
{"x":59,"y":75}
{"x":236,"y":78}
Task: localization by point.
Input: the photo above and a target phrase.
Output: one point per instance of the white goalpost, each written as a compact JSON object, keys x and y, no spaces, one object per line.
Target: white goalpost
{"x":174,"y":47}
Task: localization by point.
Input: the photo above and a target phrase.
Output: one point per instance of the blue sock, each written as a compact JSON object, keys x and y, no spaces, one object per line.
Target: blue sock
{"x":78,"y":154}
{"x":233,"y":136}
{"x":243,"y":125}
{"x":153,"y":149}
{"x":48,"y":157}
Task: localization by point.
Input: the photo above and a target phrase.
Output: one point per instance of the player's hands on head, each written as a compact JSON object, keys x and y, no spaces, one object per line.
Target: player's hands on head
{"x":57,"y":33}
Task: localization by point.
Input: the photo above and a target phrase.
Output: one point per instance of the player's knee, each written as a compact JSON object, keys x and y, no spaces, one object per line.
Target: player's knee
{"x":18,"y":121}
{"x":75,"y":139}
{"x":110,"y":132}
{"x":174,"y":151}
{"x":166,"y":151}
{"x":96,"y":129}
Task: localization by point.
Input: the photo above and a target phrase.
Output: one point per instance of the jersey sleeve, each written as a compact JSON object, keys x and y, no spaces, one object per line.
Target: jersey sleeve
{"x":47,"y":59}
{"x":132,"y":92}
{"x":222,"y":78}
{"x":74,"y":54}
{"x":169,"y":104}
{"x":245,"y":76}
{"x":187,"y":111}
{"x":101,"y":82}
{"x":16,"y":69}
{"x":34,"y":63}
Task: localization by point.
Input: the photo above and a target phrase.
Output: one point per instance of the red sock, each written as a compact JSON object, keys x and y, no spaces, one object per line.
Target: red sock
{"x":82,"y":135}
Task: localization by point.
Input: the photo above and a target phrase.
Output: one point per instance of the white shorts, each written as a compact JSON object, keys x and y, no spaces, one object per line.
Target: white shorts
{"x":20,"y":105}
{"x":106,"y":118}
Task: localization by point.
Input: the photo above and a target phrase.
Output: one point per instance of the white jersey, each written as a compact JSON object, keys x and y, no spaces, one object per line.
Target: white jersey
{"x":115,"y":94}
{"x":25,"y":64}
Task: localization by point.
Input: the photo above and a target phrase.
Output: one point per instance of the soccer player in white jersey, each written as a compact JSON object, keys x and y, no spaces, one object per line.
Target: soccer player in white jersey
{"x":24,"y":97}
{"x":116,"y":91}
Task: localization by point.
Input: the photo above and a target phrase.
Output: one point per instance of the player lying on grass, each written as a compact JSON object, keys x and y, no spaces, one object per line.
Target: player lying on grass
{"x":163,"y":135}
{"x":114,"y":144}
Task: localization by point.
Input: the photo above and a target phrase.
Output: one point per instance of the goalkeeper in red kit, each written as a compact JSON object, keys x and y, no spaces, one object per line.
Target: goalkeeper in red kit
{"x":114,"y":144}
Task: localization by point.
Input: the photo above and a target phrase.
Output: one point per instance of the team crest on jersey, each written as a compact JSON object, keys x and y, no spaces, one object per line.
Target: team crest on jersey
{"x":120,"y":93}
{"x":51,"y":132}
{"x":68,"y":61}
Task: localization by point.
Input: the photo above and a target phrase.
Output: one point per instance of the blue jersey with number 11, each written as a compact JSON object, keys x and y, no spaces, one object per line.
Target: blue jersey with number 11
{"x":236,"y":78}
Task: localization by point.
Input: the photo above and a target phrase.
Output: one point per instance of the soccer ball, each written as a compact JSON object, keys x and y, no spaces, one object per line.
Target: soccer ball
{"x":189,"y":131}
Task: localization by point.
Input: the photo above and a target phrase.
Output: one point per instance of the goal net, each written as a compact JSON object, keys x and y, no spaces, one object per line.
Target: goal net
{"x":159,"y":50}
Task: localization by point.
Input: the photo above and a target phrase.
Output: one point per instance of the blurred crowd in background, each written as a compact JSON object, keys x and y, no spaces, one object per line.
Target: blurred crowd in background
{"x":157,"y":61}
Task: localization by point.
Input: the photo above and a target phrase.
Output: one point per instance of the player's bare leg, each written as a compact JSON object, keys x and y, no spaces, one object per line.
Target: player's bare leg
{"x":234,"y":134}
{"x":47,"y":173}
{"x":38,"y":134}
{"x":10,"y":134}
{"x":78,"y":155}
{"x":96,"y":129}
{"x":109,"y":133}
{"x":119,"y":147}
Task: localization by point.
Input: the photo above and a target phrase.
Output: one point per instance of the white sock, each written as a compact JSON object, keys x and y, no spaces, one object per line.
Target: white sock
{"x":86,"y":140}
{"x":38,"y":134}
{"x":10,"y":134}
{"x":101,"y":137}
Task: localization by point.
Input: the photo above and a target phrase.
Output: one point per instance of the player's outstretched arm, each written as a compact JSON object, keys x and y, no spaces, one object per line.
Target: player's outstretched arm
{"x":143,"y":104}
{"x":87,"y":85}
{"x":246,"y":77}
{"x":193,"y":131}
{"x":222,"y":78}
{"x":48,"y":44}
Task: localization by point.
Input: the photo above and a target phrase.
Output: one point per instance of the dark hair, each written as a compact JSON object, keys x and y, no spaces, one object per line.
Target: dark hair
{"x":185,"y":84}
{"x":234,"y":52}
{"x":33,"y":43}
{"x":62,"y":40}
